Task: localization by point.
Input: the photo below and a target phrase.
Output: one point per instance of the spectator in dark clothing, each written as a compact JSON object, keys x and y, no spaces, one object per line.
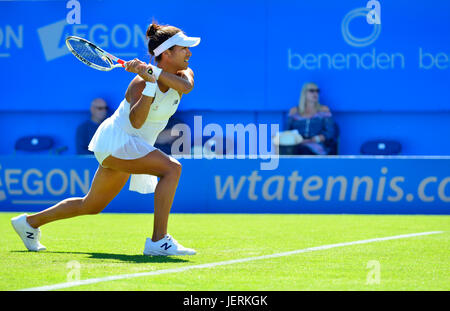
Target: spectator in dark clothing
{"x":314,"y":122}
{"x":86,"y":130}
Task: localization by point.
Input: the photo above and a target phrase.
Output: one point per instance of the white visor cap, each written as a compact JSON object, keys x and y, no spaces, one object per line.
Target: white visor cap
{"x":177,"y":39}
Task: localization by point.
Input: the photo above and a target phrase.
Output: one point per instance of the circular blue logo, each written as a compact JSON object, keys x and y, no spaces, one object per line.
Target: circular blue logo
{"x":351,"y":39}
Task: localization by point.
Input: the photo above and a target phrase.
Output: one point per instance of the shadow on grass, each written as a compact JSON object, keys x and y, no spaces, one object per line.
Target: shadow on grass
{"x":121,"y":257}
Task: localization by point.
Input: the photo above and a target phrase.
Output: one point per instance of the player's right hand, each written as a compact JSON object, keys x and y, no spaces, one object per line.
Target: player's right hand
{"x":140,"y":68}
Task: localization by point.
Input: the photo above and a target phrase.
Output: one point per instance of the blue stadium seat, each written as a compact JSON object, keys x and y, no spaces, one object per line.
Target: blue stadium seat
{"x":34,"y":144}
{"x":381,"y":147}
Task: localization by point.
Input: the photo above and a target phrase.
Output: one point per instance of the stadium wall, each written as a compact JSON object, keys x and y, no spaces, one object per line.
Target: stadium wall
{"x":272,"y":47}
{"x":387,"y":80}
{"x":420,"y":133}
{"x":356,"y":185}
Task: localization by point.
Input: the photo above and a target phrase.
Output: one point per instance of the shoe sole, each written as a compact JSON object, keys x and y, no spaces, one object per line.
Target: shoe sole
{"x":155,"y":253}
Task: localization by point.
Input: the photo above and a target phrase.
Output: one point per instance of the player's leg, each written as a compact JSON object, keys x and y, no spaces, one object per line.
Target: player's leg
{"x":158,"y":164}
{"x":106,"y":184}
{"x":168,"y":169}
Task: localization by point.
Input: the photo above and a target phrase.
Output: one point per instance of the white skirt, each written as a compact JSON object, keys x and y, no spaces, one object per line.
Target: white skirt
{"x":110,"y":139}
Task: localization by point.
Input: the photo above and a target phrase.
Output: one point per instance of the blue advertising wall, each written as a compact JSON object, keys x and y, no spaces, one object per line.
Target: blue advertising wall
{"x":253,"y":52}
{"x":387,"y":80}
{"x":357,"y":185}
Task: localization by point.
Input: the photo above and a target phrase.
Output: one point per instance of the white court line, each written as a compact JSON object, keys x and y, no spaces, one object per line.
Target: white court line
{"x":220,"y":263}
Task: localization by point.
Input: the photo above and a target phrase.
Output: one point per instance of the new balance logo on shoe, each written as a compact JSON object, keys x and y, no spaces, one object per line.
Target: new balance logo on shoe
{"x":30,"y":235}
{"x":166,"y":246}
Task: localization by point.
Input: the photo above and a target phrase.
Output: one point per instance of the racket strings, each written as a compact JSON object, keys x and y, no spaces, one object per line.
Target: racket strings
{"x":89,"y":53}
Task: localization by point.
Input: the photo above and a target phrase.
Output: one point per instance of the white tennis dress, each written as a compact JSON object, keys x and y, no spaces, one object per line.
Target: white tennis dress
{"x":117,"y":137}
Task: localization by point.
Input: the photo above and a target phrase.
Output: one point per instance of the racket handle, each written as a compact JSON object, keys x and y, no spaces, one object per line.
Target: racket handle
{"x":123,"y":63}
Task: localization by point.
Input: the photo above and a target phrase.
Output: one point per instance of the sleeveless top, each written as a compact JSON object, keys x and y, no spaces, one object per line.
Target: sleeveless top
{"x":163,"y":107}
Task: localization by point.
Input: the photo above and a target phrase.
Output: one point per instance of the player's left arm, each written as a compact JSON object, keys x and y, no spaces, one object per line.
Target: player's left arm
{"x":182,"y":81}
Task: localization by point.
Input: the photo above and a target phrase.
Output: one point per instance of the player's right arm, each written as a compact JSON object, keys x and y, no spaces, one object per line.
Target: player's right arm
{"x":139,"y":103}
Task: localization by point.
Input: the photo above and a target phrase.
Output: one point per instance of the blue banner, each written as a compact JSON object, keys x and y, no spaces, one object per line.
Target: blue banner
{"x":254,"y":55}
{"x":356,"y":185}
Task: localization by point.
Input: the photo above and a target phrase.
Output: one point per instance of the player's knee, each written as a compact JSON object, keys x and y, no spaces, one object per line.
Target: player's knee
{"x":175,"y":168}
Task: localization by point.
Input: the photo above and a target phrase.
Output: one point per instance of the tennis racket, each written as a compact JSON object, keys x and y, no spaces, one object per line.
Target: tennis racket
{"x":92,"y":55}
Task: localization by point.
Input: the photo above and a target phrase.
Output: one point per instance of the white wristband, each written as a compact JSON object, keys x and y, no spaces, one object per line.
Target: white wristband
{"x":150,"y":89}
{"x":156,"y":71}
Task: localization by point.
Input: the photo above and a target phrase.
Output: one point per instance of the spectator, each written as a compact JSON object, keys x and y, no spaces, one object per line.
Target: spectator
{"x":314,"y":123}
{"x":86,"y":130}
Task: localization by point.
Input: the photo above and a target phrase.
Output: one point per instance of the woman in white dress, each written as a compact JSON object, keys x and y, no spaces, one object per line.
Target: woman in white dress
{"x":123,"y":145}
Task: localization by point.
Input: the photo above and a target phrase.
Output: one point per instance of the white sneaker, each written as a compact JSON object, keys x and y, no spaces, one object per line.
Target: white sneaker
{"x":167,"y":246}
{"x":29,"y":235}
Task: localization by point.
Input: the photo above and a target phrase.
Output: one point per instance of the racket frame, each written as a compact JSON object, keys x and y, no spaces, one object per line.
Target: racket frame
{"x":102,"y":53}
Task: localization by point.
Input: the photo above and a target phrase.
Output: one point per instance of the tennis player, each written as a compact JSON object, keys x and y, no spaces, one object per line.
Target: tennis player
{"x":123,"y":145}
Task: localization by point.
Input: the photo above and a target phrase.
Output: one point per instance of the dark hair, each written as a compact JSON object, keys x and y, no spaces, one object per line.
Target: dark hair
{"x":157,"y":34}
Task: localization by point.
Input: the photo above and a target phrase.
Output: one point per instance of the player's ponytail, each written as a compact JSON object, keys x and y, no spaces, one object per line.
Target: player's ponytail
{"x":152,"y":29}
